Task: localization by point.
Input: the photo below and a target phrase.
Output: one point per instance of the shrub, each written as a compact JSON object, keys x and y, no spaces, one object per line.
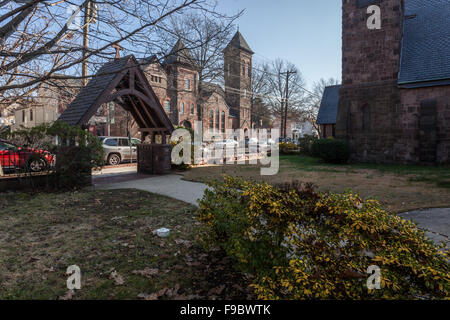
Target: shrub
{"x":183,"y":166}
{"x":306,"y":143}
{"x":77,"y":152}
{"x":331,"y":150}
{"x":288,"y":148}
{"x":299,"y":244}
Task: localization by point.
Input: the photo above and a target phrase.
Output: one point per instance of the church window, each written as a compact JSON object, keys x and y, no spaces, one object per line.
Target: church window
{"x":217,"y":120}
{"x":223,"y":122}
{"x":211,"y":119}
{"x":182,"y":107}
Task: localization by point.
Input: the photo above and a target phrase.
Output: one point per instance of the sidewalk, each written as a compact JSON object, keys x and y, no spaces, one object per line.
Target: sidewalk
{"x":170,"y":185}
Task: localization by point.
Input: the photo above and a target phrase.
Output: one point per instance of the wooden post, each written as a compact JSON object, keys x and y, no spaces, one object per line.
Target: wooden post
{"x":153,"y":137}
{"x":164,"y":138}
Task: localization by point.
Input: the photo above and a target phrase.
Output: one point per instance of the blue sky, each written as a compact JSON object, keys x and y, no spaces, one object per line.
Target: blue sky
{"x":304,"y":32}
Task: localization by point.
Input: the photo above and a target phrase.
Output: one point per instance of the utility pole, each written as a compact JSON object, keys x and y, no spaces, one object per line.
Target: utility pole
{"x":90,"y":16}
{"x":87,"y":21}
{"x":286,"y":101}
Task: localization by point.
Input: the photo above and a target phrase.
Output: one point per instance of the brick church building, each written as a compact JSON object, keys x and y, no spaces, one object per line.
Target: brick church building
{"x":394,"y":102}
{"x":185,"y":100}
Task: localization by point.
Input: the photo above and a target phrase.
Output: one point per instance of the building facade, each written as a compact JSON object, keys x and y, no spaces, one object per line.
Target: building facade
{"x":175,"y":82}
{"x":185,"y":100}
{"x":394,"y":103}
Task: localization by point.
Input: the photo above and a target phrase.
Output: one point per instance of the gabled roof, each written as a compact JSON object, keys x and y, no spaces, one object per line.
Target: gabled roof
{"x":122,"y":81}
{"x":179,"y":54}
{"x":329,"y":106}
{"x":92,"y":91}
{"x":239,"y":42}
{"x":426,"y":43}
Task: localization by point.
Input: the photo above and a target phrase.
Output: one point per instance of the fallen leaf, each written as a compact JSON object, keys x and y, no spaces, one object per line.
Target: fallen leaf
{"x":162,"y":292}
{"x":216,"y":291}
{"x":118,"y":279}
{"x":145,"y":296}
{"x":147,"y":272}
{"x":68,"y":296}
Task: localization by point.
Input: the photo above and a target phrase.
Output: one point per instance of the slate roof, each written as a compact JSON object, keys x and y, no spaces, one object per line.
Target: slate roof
{"x":239,"y":42}
{"x":180,"y":54}
{"x":92,"y":91}
{"x":426,"y":43}
{"x":329,"y":106}
{"x":101,"y":88}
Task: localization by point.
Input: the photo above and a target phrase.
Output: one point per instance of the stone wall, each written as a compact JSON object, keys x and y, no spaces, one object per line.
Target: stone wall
{"x":382,"y":122}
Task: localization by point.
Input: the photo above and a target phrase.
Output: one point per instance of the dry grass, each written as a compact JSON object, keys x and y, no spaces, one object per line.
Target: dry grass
{"x":398,"y":188}
{"x":102,"y":232}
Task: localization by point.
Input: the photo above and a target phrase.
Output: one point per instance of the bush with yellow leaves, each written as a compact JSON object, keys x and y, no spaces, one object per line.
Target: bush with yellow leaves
{"x":299,"y":244}
{"x":288,"y":148}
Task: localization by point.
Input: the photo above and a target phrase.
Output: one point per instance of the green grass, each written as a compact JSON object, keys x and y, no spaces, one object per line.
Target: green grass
{"x":439,"y":175}
{"x":102,"y":231}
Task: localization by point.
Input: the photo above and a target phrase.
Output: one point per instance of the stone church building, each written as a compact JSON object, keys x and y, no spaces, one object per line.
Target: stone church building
{"x":394,"y":102}
{"x":185,"y":100}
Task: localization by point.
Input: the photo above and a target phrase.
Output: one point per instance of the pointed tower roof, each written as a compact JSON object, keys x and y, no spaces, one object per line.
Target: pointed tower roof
{"x":239,"y":42}
{"x":180,"y":54}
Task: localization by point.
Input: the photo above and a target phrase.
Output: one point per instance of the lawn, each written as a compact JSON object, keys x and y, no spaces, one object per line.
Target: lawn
{"x":399,"y":188}
{"x":109,"y":235}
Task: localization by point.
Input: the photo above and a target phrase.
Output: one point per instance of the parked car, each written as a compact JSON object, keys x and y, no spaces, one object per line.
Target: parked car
{"x":14,"y":157}
{"x":119,"y":149}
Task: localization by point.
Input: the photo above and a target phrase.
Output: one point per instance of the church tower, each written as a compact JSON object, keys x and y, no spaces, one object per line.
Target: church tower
{"x":238,"y":79}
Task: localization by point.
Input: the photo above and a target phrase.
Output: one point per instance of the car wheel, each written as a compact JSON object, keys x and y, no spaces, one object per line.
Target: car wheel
{"x":113,"y":159}
{"x":37,"y":164}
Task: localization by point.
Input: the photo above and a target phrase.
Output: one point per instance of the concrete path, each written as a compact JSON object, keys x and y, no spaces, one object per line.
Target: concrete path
{"x":435,"y":221}
{"x":170,"y":185}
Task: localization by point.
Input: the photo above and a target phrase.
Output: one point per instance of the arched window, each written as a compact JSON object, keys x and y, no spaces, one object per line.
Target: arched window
{"x":223,"y":122}
{"x":217,"y":120}
{"x":243,"y":68}
{"x":167,"y":106}
{"x":182,"y":107}
{"x":192,"y":108}
{"x":211,"y":119}
{"x":187,"y":84}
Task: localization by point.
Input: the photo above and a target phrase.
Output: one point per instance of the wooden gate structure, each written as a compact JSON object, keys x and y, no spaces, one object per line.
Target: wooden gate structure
{"x":123,"y":82}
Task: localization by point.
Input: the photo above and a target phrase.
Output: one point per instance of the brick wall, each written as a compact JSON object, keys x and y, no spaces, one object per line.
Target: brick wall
{"x":238,"y":66}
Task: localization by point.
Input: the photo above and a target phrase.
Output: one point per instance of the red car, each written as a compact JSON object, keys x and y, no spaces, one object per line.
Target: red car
{"x":14,"y":157}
